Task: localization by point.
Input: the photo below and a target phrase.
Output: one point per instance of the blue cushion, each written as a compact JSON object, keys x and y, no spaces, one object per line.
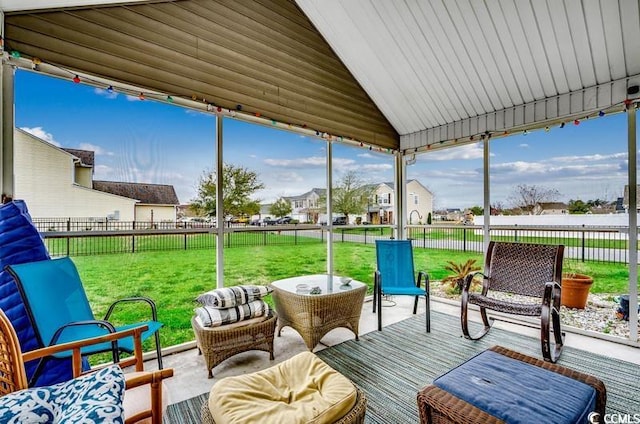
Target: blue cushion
{"x":514,"y":391}
{"x":93,"y":398}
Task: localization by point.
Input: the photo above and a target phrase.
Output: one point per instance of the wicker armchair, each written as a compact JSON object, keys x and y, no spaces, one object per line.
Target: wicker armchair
{"x":219,"y":343}
{"x":531,"y":270}
{"x":13,"y":376}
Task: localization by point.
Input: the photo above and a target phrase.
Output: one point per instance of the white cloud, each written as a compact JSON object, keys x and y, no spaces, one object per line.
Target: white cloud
{"x":312,"y":161}
{"x":99,"y":151}
{"x":589,"y":158}
{"x":376,"y":167}
{"x":133,"y":98}
{"x":41,"y":134}
{"x":365,"y":155}
{"x":524,"y":145}
{"x":109,"y":94}
{"x":466,"y":152}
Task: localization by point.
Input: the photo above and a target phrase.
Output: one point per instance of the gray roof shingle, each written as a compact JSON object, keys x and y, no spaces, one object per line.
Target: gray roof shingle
{"x":152,"y":194}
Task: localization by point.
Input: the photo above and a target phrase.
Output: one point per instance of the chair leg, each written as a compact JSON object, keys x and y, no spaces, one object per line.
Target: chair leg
{"x":428,"y":313}
{"x":375,"y":291}
{"x":465,"y":323}
{"x":545,"y":336}
{"x":415,"y":305}
{"x":379,"y":294}
{"x":158,"y":350}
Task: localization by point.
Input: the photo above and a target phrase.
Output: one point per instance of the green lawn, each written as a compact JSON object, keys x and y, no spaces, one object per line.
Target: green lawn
{"x":174,"y":278}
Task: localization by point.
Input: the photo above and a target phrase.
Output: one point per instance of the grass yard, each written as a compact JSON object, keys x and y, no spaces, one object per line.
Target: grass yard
{"x":174,"y":278}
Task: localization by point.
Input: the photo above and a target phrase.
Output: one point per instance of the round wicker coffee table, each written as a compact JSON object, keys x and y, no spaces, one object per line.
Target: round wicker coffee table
{"x":314,"y":315}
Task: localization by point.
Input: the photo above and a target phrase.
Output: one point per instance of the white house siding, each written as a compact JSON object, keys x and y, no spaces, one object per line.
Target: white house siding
{"x":161,"y":213}
{"x":44,"y":179}
{"x":84,"y":176}
{"x":418,"y":211}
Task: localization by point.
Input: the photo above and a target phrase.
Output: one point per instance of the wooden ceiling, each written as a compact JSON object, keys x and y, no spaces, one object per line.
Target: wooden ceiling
{"x":264,"y":55}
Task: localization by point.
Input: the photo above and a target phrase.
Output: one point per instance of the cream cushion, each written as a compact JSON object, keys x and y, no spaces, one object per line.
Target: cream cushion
{"x":302,"y":389}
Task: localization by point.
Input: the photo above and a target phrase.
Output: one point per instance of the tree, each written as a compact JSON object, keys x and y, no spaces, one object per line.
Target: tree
{"x":280,"y":208}
{"x":477,"y":210}
{"x":525,"y":196}
{"x":238,"y":184}
{"x":578,"y":207}
{"x":429,"y":219}
{"x":351,"y":196}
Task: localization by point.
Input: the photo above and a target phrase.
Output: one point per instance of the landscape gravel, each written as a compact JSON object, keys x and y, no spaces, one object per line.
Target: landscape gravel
{"x":599,"y":315}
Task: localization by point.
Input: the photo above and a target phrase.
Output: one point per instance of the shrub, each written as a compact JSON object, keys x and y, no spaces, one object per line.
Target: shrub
{"x":460,"y":271}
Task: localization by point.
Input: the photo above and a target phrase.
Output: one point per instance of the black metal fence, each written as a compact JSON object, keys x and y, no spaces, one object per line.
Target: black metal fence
{"x":584,"y":243}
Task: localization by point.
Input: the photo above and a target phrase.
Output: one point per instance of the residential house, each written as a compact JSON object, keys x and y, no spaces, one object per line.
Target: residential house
{"x":419,"y":204}
{"x":550,"y":208}
{"x":307,"y":207}
{"x":625,"y":199}
{"x":58,"y":183}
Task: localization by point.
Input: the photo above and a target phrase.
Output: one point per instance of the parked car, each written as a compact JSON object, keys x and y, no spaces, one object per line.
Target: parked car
{"x":269,"y":221}
{"x":284,"y":220}
{"x":340,"y":220}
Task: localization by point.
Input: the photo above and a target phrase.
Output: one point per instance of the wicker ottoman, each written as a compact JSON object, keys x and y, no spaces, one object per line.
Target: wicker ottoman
{"x":440,"y":406}
{"x":219,"y":343}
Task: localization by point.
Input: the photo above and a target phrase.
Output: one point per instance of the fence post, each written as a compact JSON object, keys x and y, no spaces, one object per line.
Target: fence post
{"x":264,"y":238}
{"x":185,"y":241}
{"x":365,"y":235}
{"x":133,"y":243}
{"x":295,"y":236}
{"x":424,"y":238}
{"x":68,"y":245}
{"x":515,"y":233}
{"x":68,"y":224}
{"x":342,"y":235}
{"x":464,"y":239}
{"x":583,"y":242}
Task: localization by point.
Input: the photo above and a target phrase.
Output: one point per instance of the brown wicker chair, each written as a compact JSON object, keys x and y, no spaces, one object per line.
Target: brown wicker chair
{"x":219,"y":343}
{"x":532,"y":270}
{"x":13,"y":376}
{"x":354,"y":416}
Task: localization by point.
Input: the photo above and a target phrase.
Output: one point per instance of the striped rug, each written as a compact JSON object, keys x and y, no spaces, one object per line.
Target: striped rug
{"x":393,"y":365}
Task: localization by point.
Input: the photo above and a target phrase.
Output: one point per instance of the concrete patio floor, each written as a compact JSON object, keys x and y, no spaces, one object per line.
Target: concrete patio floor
{"x":190,"y":377}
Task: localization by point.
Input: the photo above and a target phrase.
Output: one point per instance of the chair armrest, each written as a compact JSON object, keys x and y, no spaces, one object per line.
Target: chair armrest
{"x":552,"y":291}
{"x":152,"y":398}
{"x":75,"y":347}
{"x":424,"y":275}
{"x":94,"y":322}
{"x":469,"y":278}
{"x":151,"y":303}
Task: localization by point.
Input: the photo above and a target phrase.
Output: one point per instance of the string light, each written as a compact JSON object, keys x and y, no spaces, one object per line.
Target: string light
{"x":15,"y":54}
{"x":601,"y":113}
{"x":546,"y":129}
{"x":525,"y":132}
{"x":194,"y":97}
{"x":76,"y":79}
{"x":141,"y":96}
{"x":110,"y":89}
{"x":170,"y":99}
{"x":273,"y":122}
{"x":562,"y":125}
{"x":576,"y":122}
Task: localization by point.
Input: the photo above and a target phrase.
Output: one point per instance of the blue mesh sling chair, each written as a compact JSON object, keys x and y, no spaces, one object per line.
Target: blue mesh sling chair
{"x":395,"y":275}
{"x":60,"y":312}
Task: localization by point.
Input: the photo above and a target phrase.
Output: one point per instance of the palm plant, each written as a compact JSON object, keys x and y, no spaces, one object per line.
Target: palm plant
{"x":460,"y":271}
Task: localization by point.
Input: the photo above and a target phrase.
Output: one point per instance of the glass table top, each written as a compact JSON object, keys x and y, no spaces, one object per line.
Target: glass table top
{"x":310,"y":284}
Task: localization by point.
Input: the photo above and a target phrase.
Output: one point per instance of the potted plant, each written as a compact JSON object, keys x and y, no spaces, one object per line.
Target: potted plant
{"x":460,"y":271}
{"x":575,"y":285}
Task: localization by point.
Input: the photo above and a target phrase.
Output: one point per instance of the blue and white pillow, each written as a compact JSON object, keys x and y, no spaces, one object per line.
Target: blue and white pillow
{"x":215,"y":317}
{"x":228,"y":297}
{"x":93,"y":398}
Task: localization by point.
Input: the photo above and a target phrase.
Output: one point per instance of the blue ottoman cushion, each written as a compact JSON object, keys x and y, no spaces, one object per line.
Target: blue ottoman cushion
{"x":515,"y":391}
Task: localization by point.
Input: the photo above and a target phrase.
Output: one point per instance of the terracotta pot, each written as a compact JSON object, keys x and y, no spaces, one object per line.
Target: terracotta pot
{"x":575,"y":290}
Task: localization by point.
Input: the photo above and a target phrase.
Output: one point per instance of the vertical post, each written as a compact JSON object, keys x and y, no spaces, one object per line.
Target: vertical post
{"x":7,"y":183}
{"x":400,"y":183}
{"x":487,"y":192}
{"x":633,"y":224}
{"x":219,"y":206}
{"x":330,"y":214}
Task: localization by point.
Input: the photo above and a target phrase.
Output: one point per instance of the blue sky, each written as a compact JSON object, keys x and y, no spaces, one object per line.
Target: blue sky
{"x":154,"y":142}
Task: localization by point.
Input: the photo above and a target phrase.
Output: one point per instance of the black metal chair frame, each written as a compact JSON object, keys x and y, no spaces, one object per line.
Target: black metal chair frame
{"x":527,"y":269}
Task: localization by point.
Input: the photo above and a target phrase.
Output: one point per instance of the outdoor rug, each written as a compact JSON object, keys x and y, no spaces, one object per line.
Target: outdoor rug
{"x":391,"y":366}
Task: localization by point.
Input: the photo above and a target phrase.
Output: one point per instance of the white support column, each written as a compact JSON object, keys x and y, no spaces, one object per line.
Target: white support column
{"x":219,"y":206}
{"x":400,"y":183}
{"x":7,"y":117}
{"x":487,"y":192}
{"x":330,"y":211}
{"x":633,"y":225}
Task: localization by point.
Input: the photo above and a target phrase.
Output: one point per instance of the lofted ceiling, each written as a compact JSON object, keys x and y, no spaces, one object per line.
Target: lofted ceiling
{"x":442,"y":70}
{"x":260,"y":58}
{"x":396,"y":74}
